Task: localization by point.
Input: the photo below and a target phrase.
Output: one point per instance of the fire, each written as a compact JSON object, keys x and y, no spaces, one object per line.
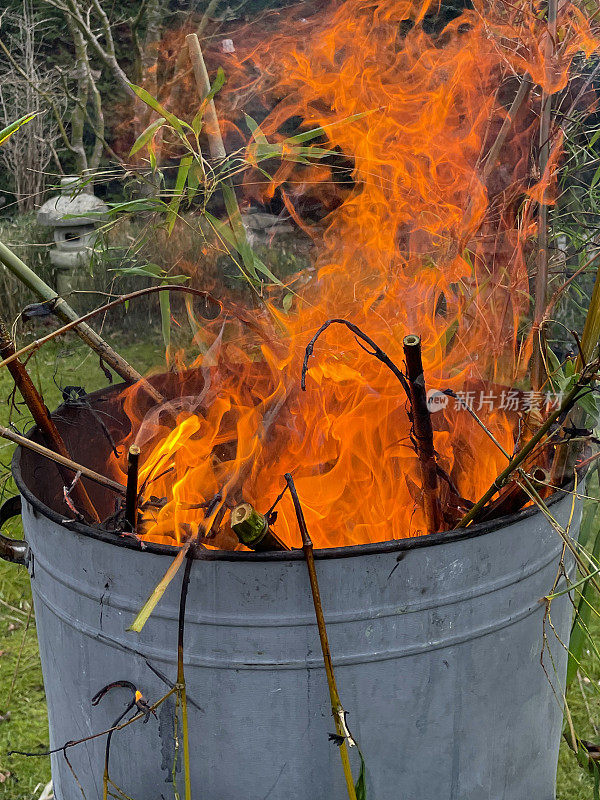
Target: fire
{"x":414,"y":240}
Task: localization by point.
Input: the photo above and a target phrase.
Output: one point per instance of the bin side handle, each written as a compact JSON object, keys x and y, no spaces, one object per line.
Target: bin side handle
{"x":14,"y":550}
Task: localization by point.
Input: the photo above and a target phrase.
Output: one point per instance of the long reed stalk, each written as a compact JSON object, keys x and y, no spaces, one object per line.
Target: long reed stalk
{"x":181,"y":687}
{"x":339,"y":715}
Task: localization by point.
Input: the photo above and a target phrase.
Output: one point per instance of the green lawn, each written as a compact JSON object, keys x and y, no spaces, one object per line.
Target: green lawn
{"x":23,"y":722}
{"x":22,"y":709}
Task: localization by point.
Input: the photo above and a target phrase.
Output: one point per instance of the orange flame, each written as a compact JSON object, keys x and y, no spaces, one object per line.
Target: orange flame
{"x":413,"y":241}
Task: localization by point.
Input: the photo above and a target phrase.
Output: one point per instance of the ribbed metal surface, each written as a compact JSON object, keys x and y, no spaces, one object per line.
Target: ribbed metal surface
{"x":437,"y":654}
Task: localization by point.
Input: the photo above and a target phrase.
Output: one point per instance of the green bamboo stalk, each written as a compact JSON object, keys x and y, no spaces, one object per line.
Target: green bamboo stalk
{"x":67,"y":314}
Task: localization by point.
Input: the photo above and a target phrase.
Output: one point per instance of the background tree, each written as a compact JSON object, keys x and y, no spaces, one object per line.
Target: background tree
{"x":23,"y":83}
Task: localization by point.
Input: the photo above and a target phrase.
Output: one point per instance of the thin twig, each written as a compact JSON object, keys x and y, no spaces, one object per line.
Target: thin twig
{"x":91,"y":737}
{"x":492,"y":157}
{"x":124,"y":298}
{"x":477,"y":419}
{"x":377,"y":352}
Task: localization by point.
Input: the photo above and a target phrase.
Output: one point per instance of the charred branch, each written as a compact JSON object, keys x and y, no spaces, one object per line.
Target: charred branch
{"x":423,"y":433}
{"x":131,"y":495}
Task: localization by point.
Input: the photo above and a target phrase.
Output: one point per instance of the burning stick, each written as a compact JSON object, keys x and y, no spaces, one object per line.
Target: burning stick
{"x":423,"y":433}
{"x":73,"y":466}
{"x":131,"y":494}
{"x":339,"y":715}
{"x":43,"y":420}
{"x":252,"y":529}
{"x":68,"y":315}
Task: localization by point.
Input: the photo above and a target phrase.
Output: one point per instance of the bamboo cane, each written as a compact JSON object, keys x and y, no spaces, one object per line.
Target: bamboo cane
{"x":423,"y":433}
{"x":253,"y":531}
{"x":43,"y":420}
{"x":541,"y":278}
{"x":339,"y":715}
{"x":218,"y":152}
{"x":67,"y":314}
{"x":28,"y":444}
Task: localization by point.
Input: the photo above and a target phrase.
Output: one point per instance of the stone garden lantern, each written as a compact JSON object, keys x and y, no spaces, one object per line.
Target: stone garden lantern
{"x":75,"y":218}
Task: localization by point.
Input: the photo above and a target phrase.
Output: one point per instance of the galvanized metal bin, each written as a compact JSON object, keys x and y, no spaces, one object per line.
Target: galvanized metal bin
{"x":436,"y":641}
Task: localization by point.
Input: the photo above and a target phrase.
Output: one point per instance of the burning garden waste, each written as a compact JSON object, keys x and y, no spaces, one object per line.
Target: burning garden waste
{"x":429,"y":198}
{"x":398,"y":384}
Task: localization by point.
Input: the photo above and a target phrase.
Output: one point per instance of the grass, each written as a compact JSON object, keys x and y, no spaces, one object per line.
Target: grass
{"x":23,"y":723}
{"x":22,"y":704}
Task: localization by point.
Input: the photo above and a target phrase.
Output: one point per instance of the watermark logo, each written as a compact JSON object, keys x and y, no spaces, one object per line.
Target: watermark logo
{"x":505,"y":400}
{"x":436,"y":400}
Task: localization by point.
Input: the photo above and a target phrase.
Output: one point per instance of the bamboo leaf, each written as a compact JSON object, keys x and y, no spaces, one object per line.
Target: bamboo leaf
{"x":153,"y":103}
{"x":219,"y":82}
{"x":314,"y":133}
{"x":256,"y":265}
{"x":195,"y":178}
{"x":151,"y":271}
{"x":255,"y":130}
{"x":135,"y":206}
{"x":159,"y":590}
{"x":14,"y":126}
{"x":147,"y":135}
{"x":173,"y":208}
{"x":361,"y":784}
